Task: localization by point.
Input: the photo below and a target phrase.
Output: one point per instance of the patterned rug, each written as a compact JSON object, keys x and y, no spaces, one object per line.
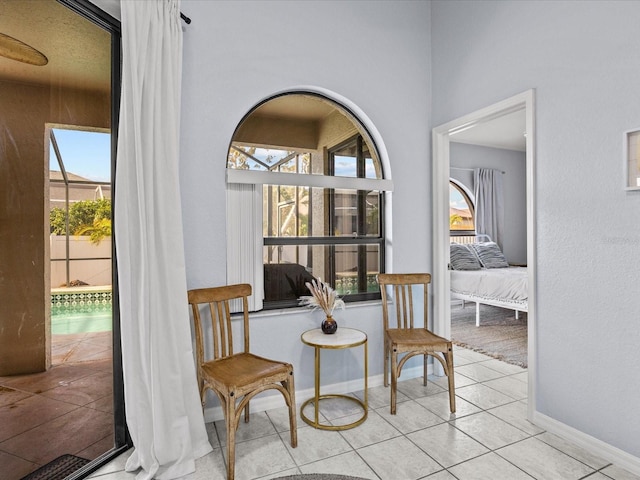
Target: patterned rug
{"x":318,"y":476}
{"x":499,"y":335}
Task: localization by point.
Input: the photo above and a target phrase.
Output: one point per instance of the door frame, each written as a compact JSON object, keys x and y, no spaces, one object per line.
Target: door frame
{"x":441,"y":175}
{"x":122,"y":438}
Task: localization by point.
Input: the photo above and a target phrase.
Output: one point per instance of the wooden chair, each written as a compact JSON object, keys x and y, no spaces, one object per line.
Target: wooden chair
{"x":235,"y":377}
{"x":401,"y":337}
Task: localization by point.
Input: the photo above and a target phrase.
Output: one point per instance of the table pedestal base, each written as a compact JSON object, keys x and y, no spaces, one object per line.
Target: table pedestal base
{"x":322,"y":426}
{"x":343,"y":338}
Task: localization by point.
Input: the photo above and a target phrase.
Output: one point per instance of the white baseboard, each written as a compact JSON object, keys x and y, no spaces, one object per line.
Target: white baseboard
{"x":266,"y":401}
{"x":597,"y":447}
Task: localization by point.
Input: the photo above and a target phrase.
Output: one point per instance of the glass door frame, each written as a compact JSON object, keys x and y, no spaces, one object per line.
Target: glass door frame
{"x":122,"y":438}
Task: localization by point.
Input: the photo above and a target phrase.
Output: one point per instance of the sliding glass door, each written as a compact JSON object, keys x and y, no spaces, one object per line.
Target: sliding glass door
{"x":61,"y":389}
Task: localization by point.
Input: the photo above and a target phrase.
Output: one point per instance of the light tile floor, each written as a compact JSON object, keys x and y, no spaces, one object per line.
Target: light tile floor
{"x":488,"y":438}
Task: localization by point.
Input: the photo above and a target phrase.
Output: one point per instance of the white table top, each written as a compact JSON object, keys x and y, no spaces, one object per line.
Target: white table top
{"x":343,"y":338}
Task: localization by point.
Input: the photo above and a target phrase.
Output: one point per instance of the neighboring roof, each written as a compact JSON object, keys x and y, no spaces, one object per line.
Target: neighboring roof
{"x":462,"y":212}
{"x":57,"y":175}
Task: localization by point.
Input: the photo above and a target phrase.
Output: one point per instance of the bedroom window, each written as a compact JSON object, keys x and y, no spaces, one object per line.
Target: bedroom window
{"x":316,"y":204}
{"x":461,"y":211}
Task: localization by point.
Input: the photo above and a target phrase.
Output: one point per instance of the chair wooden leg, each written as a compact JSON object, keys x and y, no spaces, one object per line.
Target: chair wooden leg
{"x":292,"y":411}
{"x":448,"y":357}
{"x":231,"y":438}
{"x":424,"y":366}
{"x":246,"y":413}
{"x":203,"y":391}
{"x":386,"y":363}
{"x":394,"y":379}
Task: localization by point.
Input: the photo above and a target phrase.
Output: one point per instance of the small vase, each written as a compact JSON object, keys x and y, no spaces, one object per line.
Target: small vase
{"x":329,"y":325}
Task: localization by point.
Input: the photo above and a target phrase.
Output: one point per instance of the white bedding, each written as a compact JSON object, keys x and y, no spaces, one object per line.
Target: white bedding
{"x":493,"y":286}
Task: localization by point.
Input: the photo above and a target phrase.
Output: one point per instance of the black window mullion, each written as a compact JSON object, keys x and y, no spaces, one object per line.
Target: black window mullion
{"x":322,"y":240}
{"x":362,"y":217}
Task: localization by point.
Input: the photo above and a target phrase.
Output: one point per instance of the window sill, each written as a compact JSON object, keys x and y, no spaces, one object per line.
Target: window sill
{"x":298,"y":310}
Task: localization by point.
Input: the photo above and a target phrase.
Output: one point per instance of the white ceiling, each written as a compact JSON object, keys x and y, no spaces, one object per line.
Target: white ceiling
{"x":507,"y":132}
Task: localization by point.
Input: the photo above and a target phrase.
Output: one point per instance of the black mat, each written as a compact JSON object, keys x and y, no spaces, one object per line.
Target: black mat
{"x":58,"y":469}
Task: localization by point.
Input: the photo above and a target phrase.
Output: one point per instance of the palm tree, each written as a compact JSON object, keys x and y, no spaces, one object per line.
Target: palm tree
{"x":100,"y":229}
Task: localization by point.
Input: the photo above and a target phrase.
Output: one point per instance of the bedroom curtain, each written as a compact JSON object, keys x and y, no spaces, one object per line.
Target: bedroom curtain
{"x":163,"y":409}
{"x":489,"y":203}
{"x":244,"y":241}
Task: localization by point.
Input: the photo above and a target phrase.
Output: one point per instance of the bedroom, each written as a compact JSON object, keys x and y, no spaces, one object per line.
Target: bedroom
{"x":498,"y":145}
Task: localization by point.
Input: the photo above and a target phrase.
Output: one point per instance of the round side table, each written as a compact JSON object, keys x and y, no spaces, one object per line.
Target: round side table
{"x":343,"y":338}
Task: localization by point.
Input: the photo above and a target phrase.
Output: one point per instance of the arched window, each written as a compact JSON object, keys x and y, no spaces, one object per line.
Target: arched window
{"x":317,"y":194}
{"x":461,"y":211}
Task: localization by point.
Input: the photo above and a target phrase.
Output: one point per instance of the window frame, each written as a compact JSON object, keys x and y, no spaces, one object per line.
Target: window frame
{"x":260,"y":178}
{"x":472,"y":209}
{"x":361,"y":198}
{"x":361,"y":240}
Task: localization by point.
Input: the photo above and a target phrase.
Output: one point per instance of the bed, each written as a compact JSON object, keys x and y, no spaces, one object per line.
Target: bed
{"x":480,"y":273}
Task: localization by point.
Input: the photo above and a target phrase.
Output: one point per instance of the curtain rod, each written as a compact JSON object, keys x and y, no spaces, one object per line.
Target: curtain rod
{"x":186,"y":19}
{"x":469,"y":169}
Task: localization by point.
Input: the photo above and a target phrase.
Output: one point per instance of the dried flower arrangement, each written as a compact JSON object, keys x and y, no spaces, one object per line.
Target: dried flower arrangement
{"x":322,"y":296}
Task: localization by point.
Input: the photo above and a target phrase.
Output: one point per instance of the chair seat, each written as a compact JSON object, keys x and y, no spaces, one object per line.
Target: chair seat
{"x":418,"y":337}
{"x":242,"y":370}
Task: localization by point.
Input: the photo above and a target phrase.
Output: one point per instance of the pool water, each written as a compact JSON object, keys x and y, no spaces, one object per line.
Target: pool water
{"x":80,"y":319}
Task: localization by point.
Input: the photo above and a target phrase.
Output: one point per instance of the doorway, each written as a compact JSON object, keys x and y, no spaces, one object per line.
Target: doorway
{"x":441,"y":176}
{"x":79,"y":163}
{"x":69,"y":75}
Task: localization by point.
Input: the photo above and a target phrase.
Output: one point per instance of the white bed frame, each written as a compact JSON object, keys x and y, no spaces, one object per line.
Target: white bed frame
{"x":495,"y":303}
{"x":478,"y":300}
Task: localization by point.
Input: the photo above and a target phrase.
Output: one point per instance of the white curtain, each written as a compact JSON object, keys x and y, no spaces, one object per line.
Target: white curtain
{"x":162,"y":403}
{"x":244,"y":241}
{"x":489,"y":203}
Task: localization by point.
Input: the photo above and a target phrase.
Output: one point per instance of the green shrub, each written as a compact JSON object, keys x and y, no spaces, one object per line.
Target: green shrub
{"x":87,"y":217}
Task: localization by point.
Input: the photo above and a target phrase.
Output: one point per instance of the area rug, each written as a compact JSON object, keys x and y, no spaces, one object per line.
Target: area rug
{"x":499,"y":335}
{"x":318,"y":476}
{"x":58,"y":469}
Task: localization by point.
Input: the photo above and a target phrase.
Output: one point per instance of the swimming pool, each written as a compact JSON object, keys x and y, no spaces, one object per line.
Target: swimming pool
{"x":69,"y":320}
{"x":80,"y":311}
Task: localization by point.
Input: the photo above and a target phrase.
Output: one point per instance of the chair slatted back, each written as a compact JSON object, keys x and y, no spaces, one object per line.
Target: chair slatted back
{"x":218,"y":301}
{"x":402,"y":285}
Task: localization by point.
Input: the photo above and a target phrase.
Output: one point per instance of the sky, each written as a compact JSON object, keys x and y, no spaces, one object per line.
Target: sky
{"x":87,"y":154}
{"x":456,"y":200}
{"x":345,"y":166}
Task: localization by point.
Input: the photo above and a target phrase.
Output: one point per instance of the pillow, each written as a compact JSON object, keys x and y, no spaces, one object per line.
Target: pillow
{"x":490,"y":255}
{"x":463,"y":258}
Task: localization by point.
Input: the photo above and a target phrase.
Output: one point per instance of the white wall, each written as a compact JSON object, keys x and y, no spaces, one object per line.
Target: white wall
{"x":376,"y":55}
{"x":512,"y":163}
{"x":582,"y":59}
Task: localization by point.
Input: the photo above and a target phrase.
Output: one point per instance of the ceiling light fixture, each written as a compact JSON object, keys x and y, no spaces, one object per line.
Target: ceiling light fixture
{"x":21,"y":52}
